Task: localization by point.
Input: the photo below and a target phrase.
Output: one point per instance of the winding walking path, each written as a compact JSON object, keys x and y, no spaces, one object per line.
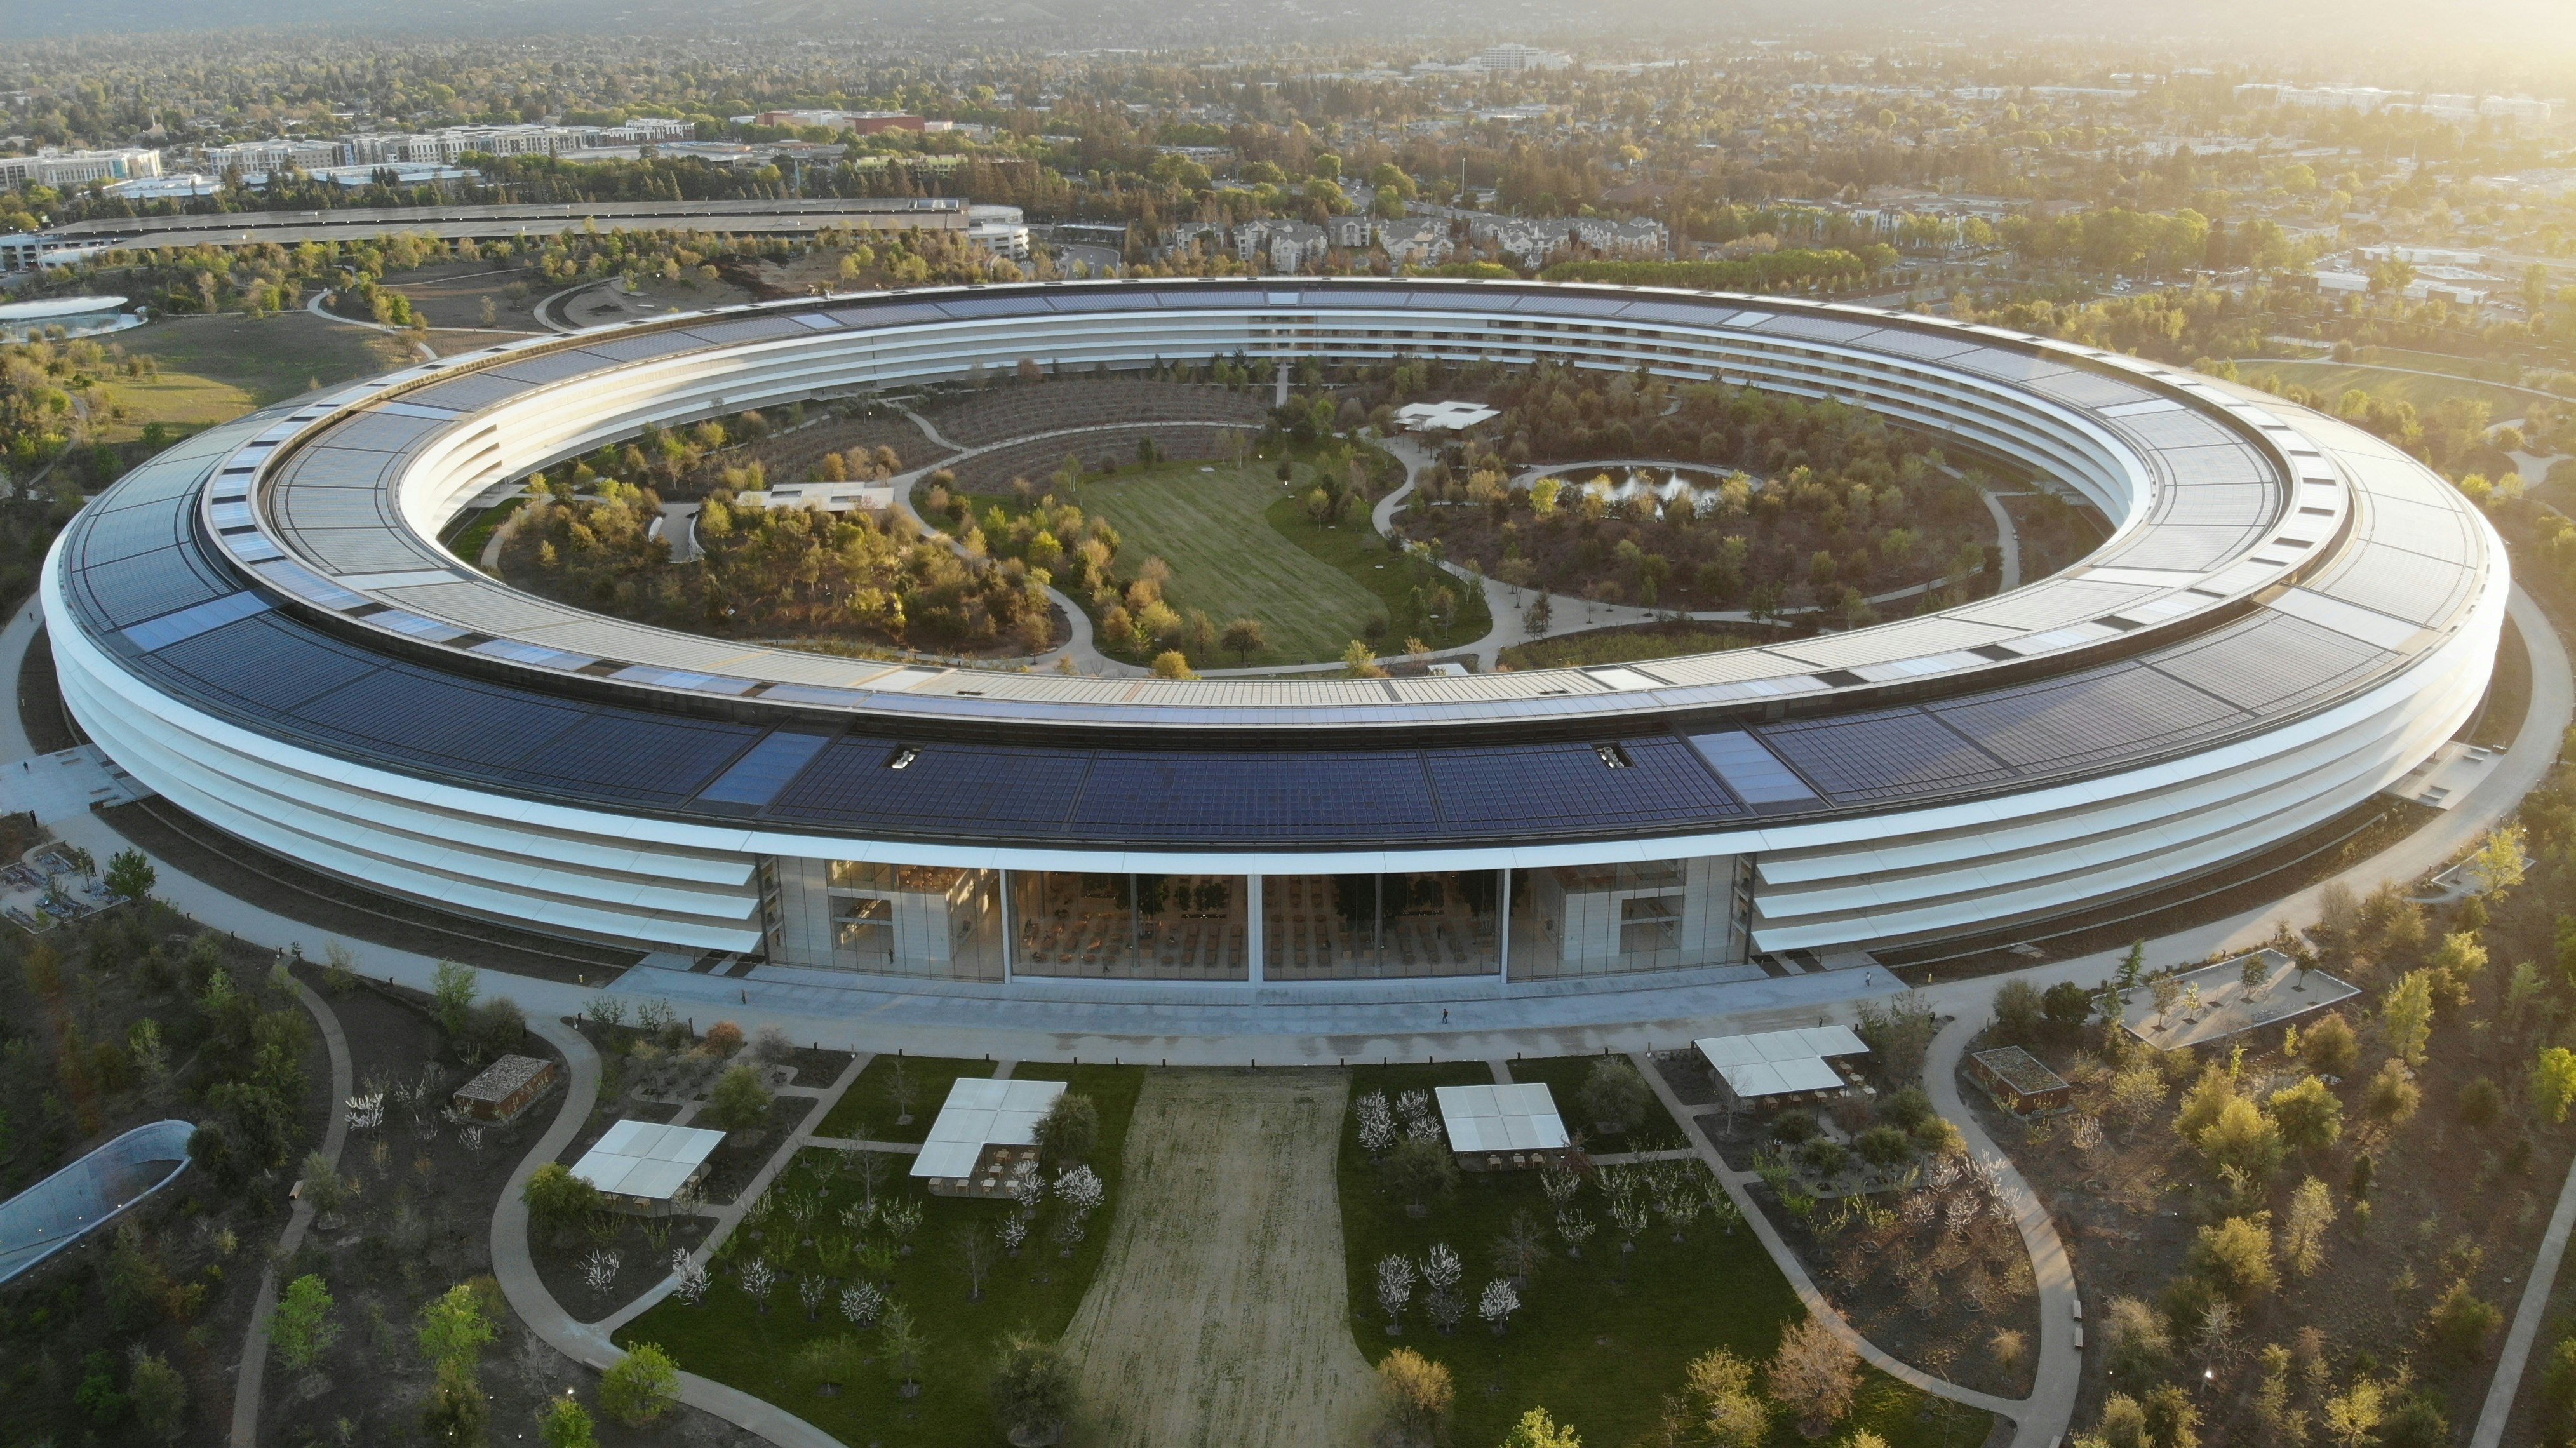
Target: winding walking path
{"x":2518,"y":1340}
{"x":252,"y":1381}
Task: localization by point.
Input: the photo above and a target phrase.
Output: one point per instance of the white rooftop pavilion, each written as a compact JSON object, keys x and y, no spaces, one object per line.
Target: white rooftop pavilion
{"x":642,"y":1165}
{"x":1781,"y":1063}
{"x":982,"y":1112}
{"x":1516,"y":1118}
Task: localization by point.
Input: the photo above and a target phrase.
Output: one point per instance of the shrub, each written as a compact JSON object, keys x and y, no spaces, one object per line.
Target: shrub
{"x":2244,"y":1138}
{"x":740,"y":1100}
{"x":2481,"y":1103}
{"x":1907,"y":1109}
{"x":1793,"y":1127}
{"x":2135,"y":1336}
{"x":2393,"y":1095}
{"x":1884,"y":1146}
{"x":492,"y":1028}
{"x":1824,"y":1157}
{"x":2019,"y":1012}
{"x":302,"y":1329}
{"x":567,"y":1424}
{"x":2068,"y":1006}
{"x":555,"y":1197}
{"x":641,"y":1387}
{"x":722,"y":1040}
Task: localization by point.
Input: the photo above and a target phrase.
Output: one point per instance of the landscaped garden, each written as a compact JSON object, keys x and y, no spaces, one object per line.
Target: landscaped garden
{"x":1605,"y":1341}
{"x":868,"y":1306}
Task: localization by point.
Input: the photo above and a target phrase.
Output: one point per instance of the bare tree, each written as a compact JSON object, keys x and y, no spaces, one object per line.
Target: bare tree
{"x":976,"y":1249}
{"x":1815,"y":1374}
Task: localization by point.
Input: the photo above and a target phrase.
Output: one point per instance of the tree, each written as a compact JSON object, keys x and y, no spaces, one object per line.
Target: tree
{"x":1613,"y":1096}
{"x":901,"y":1338}
{"x":642,"y":1386}
{"x":2498,"y":861}
{"x":2330,"y":1046}
{"x":1417,"y":1169}
{"x":1814,"y":1374}
{"x":2406,"y":1016}
{"x":740,"y":1100}
{"x":451,"y":993}
{"x":2310,"y":1117}
{"x":2457,"y":1326}
{"x":2136,"y":1336}
{"x":302,"y":1329}
{"x":1243,"y":638}
{"x":555,"y":1197}
{"x":1069,"y":1130}
{"x":2066,"y":1005}
{"x":2392,"y":1095}
{"x":1034,"y":1389}
{"x":2167,"y":992}
{"x":1723,"y":1405}
{"x":2244,"y":1138}
{"x":830,"y":1364}
{"x":2303,"y":1236}
{"x":454,"y":1327}
{"x":1417,"y":1395}
{"x":2236,"y":1256}
{"x":160,"y":1397}
{"x":458,"y":1413}
{"x":1173,"y":664}
{"x":2553,"y":1082}
{"x":2353,"y":1418}
{"x":2132,"y":966}
{"x":130,"y":875}
{"x":567,"y":1424}
{"x":1537,"y":1430}
{"x":1359,"y":661}
{"x":2481,"y":1102}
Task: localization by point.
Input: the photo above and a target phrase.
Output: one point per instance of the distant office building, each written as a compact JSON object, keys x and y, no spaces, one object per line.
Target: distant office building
{"x":1001,"y":230}
{"x":50,"y":167}
{"x":270,"y":156}
{"x":865,"y":123}
{"x":1512,"y":56}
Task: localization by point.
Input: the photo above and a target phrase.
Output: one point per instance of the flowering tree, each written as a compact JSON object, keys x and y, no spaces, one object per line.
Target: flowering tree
{"x":1497,"y":1304}
{"x":688,"y":1276}
{"x":862,"y":1304}
{"x":1395,"y":1277}
{"x":1576,"y":1229}
{"x":1081,"y":1191}
{"x":1377,"y":1123}
{"x":758,"y":1279}
{"x":599,"y":1270}
{"x":1420,"y":1121}
{"x":812,"y":1289}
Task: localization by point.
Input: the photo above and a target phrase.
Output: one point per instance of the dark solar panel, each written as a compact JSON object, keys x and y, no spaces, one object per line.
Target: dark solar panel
{"x":551,"y":367}
{"x":130,"y":590}
{"x":467,"y":393}
{"x":747,"y":329}
{"x":129,"y":531}
{"x":1823,"y":328}
{"x":945,"y":788}
{"x":2271,"y":664}
{"x":1226,"y":298}
{"x":764,"y":769}
{"x":1002,"y":306}
{"x":2093,"y":716}
{"x":890,"y":314}
{"x":1107,"y":299}
{"x":266,"y":662}
{"x":1570,"y":784}
{"x":410,"y":711}
{"x":642,"y":753}
{"x":1342,"y":795}
{"x":1878,"y":756}
{"x":643,"y":347}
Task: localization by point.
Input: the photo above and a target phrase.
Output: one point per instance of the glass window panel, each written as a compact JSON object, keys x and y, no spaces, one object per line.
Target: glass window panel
{"x":1376,"y":927}
{"x":1132,"y":927}
{"x":928,"y":921}
{"x":1618,"y":919}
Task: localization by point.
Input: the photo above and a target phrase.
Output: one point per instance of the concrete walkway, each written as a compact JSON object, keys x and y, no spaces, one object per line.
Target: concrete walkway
{"x":2059,"y":1371}
{"x":252,"y":1380}
{"x":589,"y":1344}
{"x":2519,"y":1339}
{"x":2007,"y":538}
{"x":1739,"y":1187}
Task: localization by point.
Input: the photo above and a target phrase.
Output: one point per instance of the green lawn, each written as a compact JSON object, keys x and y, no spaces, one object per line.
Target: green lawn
{"x":1228,"y":561}
{"x":867,"y":1110}
{"x":1598,"y":1343}
{"x":727,"y":1338}
{"x":270,"y":358}
{"x":1630,"y":645}
{"x":1400,"y":584}
{"x":1563,"y":1076}
{"x":181,"y":401}
{"x":2333,"y":379}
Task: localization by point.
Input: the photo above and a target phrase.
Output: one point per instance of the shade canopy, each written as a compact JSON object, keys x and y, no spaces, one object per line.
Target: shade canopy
{"x":1778,"y":1063}
{"x":647,"y":1159}
{"x":1501,"y":1118}
{"x":982,"y":1112}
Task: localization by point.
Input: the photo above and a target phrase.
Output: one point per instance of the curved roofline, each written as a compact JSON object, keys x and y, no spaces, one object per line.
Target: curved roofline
{"x":457,"y":425}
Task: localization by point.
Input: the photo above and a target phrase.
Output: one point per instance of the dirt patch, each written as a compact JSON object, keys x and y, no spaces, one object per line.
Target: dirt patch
{"x":1220,"y":1314}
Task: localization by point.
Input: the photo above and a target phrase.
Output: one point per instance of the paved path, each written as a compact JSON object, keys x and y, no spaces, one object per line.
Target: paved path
{"x":248,"y":1386}
{"x":589,"y":1343}
{"x":2050,"y":1409}
{"x":2527,"y":1318}
{"x":1739,"y":1187}
{"x":317,"y":306}
{"x":2007,"y":538}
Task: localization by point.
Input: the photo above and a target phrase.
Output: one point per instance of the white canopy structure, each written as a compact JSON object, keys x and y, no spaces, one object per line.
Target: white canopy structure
{"x":1777,"y":1063}
{"x":1444,"y":416}
{"x":981,"y":1112}
{"x":647,"y":1159}
{"x":1501,"y":1118}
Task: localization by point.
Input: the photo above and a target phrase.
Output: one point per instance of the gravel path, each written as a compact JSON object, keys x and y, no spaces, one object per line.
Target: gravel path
{"x":1221,"y":1314}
